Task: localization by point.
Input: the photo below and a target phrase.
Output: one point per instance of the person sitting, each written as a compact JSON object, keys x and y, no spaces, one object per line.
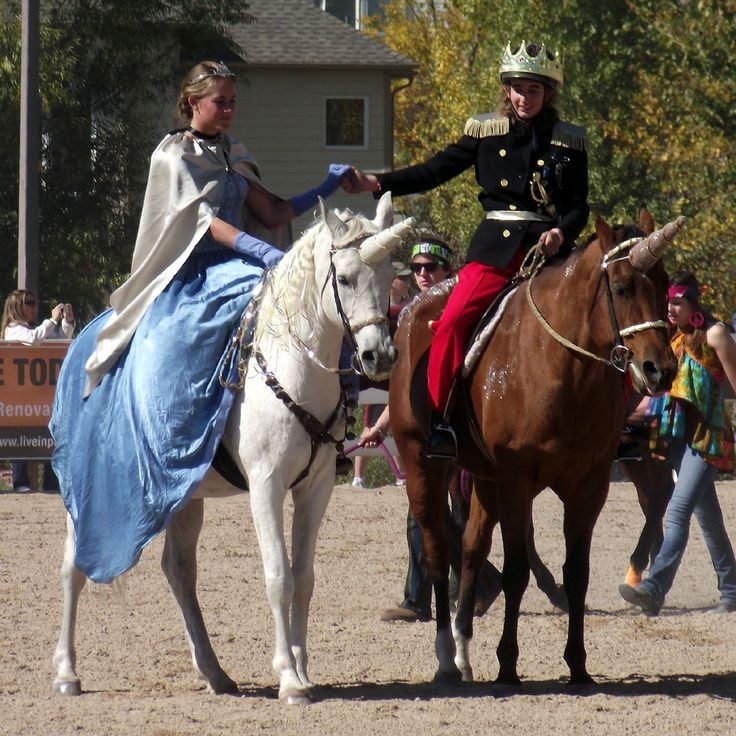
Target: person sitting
{"x":533,"y":172}
{"x":162,"y":350}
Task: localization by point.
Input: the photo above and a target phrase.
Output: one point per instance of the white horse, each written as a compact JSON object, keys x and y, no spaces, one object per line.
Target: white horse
{"x":281,"y":432}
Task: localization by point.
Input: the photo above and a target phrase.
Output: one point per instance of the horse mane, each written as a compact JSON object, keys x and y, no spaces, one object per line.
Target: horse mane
{"x":291,"y":290}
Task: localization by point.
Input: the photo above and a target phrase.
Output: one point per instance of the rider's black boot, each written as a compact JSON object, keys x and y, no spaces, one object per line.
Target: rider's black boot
{"x":442,"y":442}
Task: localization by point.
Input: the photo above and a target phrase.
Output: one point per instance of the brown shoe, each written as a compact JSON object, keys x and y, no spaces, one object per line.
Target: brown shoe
{"x":402,"y":614}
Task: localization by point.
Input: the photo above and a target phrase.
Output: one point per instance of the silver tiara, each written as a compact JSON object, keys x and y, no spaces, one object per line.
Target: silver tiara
{"x":221,"y":69}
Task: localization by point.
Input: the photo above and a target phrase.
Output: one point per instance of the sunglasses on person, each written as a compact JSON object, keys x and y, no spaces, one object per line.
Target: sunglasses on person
{"x":429,"y":267}
{"x":30,"y":302}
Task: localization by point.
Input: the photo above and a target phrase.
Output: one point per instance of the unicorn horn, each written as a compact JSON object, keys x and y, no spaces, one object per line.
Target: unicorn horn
{"x":380,"y":245}
{"x":647,"y":252}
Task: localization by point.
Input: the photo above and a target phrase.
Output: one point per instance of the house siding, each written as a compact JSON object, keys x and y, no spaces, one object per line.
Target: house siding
{"x":281,"y":119}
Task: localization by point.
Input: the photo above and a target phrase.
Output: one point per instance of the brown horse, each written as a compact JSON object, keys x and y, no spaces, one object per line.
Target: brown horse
{"x":538,"y":413}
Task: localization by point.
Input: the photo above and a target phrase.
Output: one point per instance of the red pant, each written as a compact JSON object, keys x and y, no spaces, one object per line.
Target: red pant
{"x":476,"y":288}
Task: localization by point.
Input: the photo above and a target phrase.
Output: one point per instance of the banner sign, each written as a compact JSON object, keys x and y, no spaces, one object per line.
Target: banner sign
{"x":28,"y":376}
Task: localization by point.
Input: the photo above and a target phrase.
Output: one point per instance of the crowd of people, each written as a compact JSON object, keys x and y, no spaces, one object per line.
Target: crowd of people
{"x":199,"y":269}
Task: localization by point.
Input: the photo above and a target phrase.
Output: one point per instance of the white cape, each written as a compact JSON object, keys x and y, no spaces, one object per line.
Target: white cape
{"x":186,"y":184}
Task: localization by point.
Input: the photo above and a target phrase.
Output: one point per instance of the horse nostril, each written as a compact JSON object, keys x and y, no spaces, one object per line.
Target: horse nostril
{"x":368,"y":357}
{"x":651,"y":370}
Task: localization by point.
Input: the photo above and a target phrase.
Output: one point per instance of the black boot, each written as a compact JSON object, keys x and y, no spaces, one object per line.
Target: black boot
{"x":442,"y":442}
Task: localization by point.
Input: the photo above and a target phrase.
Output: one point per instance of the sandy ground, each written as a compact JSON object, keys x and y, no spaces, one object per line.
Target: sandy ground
{"x":675,"y":674}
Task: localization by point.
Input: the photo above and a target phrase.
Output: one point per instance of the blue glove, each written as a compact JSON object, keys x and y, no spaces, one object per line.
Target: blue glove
{"x":302,"y":202}
{"x":250,"y":247}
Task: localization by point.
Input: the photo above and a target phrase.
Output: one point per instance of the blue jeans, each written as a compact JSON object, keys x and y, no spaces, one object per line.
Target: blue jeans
{"x":694,"y":492}
{"x":21,"y":478}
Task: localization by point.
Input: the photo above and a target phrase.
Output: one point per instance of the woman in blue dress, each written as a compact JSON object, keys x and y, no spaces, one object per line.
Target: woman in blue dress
{"x":139,"y":408}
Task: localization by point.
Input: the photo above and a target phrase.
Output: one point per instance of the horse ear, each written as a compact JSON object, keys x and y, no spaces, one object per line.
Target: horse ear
{"x":384,"y":212}
{"x":604,"y":233}
{"x":335,"y":225}
{"x":646,"y":221}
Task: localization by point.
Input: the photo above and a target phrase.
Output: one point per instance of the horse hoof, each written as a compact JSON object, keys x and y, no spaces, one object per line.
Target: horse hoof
{"x":448,"y":678}
{"x":226,"y":687}
{"x":467,"y":674}
{"x":508,"y":679}
{"x":69,"y":687}
{"x":558,"y":598}
{"x":583,"y":680}
{"x":633,"y":576}
{"x":296,"y":697}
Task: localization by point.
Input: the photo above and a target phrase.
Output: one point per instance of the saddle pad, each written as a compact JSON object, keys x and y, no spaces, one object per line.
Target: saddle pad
{"x":483,"y":334}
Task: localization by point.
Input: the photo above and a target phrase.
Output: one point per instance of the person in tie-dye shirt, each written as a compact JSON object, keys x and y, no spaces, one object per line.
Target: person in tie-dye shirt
{"x":691,"y":427}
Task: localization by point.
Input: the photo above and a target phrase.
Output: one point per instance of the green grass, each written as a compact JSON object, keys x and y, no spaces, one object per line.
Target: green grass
{"x":6,"y":478}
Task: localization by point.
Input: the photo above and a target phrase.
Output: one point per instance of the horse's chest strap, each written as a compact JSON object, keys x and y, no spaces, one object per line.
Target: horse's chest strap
{"x":319,"y":433}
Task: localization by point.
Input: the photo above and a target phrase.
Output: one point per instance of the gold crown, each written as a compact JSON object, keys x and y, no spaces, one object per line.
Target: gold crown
{"x":532,"y":61}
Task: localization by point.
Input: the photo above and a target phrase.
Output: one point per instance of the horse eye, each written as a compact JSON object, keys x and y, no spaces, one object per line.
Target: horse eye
{"x":343,"y":281}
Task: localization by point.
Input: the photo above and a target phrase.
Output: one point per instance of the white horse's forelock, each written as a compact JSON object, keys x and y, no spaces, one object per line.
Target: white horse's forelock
{"x":292,"y":290}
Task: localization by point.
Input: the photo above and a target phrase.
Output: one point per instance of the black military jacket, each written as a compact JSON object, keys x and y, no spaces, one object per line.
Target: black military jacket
{"x":506,"y":157}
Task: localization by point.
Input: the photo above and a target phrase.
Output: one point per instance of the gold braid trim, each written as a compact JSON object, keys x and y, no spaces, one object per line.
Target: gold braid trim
{"x":490,"y":123}
{"x":568,"y":135}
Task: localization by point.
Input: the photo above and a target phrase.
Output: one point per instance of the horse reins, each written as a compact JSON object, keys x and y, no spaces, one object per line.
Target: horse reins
{"x":620,"y":356}
{"x":319,"y":433}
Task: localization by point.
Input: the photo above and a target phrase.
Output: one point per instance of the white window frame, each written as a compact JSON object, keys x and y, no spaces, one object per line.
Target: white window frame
{"x":360,"y":10}
{"x":366,"y":118}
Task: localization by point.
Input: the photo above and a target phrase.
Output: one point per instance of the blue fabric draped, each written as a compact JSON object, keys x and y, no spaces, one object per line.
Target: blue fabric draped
{"x":130,"y":455}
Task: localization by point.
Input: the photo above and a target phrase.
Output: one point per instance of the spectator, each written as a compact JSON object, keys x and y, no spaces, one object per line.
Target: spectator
{"x":398,"y":298}
{"x":692,"y":428}
{"x":20,"y":314}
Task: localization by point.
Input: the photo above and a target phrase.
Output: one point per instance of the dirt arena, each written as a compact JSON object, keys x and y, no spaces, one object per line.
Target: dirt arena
{"x":675,"y":674}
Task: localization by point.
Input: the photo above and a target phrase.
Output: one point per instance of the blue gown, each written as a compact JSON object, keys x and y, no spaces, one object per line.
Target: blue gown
{"x":130,"y":455}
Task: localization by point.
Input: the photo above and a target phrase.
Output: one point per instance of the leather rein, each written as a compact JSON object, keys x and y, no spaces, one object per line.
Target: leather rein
{"x":620,"y":356}
{"x":319,"y":433}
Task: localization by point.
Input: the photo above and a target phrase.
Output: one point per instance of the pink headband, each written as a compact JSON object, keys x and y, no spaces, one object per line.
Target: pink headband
{"x":680,"y":291}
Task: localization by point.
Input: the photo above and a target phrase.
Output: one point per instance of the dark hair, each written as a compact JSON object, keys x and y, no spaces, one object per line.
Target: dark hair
{"x":696,"y":338}
{"x":429,"y":236}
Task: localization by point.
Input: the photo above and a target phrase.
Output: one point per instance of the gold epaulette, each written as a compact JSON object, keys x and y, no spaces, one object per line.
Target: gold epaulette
{"x":490,"y":123}
{"x":568,"y":135}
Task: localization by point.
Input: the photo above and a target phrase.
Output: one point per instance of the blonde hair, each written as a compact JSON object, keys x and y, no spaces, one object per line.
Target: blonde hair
{"x":13,"y":310}
{"x":197,"y":83}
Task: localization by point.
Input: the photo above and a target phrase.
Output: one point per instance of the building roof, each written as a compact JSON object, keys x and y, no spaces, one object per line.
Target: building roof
{"x":298,"y":33}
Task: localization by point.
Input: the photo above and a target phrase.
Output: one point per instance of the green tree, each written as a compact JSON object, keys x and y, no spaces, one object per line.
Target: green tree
{"x":649,"y":80}
{"x":106,"y":67}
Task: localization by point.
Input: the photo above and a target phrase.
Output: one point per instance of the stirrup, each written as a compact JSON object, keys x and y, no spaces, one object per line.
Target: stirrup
{"x":442,"y":442}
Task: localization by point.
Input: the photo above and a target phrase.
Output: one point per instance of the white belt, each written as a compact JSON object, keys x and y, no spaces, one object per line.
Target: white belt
{"x":517,"y":215}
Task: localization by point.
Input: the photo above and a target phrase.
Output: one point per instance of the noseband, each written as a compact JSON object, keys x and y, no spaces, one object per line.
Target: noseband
{"x":620,"y":356}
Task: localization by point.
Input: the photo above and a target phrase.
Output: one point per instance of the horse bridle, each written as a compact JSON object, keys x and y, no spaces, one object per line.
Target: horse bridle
{"x":348,"y":328}
{"x":620,"y":356}
{"x":321,"y":433}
